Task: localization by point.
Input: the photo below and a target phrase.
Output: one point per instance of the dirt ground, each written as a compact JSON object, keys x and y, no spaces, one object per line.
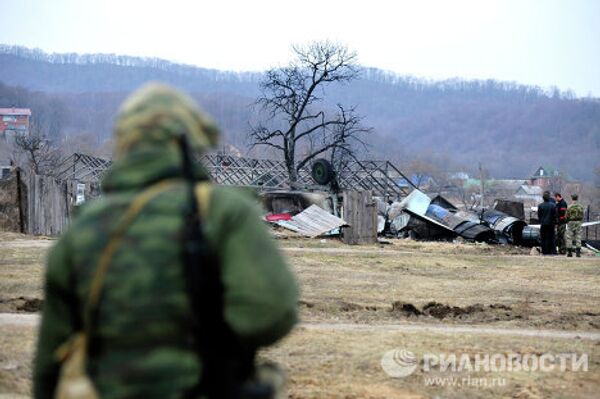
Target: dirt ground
{"x":360,"y":302}
{"x":21,"y":271}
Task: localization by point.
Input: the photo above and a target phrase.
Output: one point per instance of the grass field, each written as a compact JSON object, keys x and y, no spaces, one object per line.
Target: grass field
{"x":360,"y":302}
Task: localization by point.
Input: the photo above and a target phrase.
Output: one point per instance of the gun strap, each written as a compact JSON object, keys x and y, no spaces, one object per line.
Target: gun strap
{"x":203,"y":191}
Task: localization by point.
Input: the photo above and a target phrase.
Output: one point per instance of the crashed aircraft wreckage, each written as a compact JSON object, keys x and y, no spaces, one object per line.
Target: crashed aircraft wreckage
{"x":419,"y":216}
{"x":419,"y":205}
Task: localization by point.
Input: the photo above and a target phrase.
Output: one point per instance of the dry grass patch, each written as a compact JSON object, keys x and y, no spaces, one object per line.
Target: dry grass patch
{"x":342,"y":364}
{"x":22,"y":260}
{"x":16,"y":351}
{"x":405,"y":281}
{"x":365,"y":284}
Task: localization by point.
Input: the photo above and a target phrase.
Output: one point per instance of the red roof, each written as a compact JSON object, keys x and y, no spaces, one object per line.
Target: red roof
{"x":15,"y":111}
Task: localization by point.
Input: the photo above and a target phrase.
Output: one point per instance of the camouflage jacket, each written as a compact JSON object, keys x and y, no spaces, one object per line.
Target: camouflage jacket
{"x":575,"y":212}
{"x":140,"y":346}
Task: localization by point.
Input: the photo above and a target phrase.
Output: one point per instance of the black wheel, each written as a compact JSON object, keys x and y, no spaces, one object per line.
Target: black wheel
{"x":322,"y":171}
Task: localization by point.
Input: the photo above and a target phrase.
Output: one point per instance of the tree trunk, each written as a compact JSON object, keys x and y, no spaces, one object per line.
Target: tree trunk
{"x":290,"y":163}
{"x":291,"y":167}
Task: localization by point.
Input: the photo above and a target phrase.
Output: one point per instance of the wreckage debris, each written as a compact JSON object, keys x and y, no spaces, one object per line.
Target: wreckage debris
{"x":449,"y":224}
{"x":593,"y":246}
{"x":311,"y":222}
{"x":278,"y":217}
{"x":293,"y":202}
{"x":509,"y":229}
{"x":418,"y":216}
{"x":463,"y":227}
{"x":511,"y":208}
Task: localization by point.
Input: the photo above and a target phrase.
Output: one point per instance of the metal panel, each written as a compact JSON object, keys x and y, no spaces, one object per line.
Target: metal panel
{"x":313,"y":222}
{"x":416,"y":202}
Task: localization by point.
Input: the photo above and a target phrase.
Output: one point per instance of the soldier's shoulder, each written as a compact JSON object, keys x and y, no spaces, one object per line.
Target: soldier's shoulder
{"x":233,"y":198}
{"x":230,"y":209}
{"x":92,"y":210}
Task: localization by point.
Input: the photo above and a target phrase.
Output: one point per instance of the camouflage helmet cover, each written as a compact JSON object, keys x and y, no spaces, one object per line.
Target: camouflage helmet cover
{"x":159,"y":114}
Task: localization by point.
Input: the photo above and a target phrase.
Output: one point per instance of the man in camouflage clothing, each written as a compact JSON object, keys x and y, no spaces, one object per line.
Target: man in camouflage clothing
{"x":574,"y":218}
{"x":140,"y":344}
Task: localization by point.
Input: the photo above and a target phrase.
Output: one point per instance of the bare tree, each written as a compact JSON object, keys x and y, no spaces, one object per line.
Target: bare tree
{"x":485,"y":184}
{"x":556,"y":183}
{"x":40,"y":154}
{"x":423,"y":171}
{"x":465,"y":194}
{"x":292,"y":100}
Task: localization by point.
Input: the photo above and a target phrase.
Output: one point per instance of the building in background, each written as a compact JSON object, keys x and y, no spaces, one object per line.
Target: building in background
{"x":528,"y":193}
{"x":554,"y":180}
{"x":14,"y":121}
{"x":546,"y":177}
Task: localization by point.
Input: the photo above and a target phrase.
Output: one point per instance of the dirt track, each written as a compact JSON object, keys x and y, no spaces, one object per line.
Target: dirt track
{"x":19,"y":319}
{"x":25,"y":319}
{"x":454,"y":329}
{"x":19,"y":243}
{"x":395,"y":252}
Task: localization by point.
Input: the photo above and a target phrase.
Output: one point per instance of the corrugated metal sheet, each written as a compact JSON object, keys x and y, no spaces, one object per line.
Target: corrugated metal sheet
{"x":416,"y":202}
{"x":313,"y":222}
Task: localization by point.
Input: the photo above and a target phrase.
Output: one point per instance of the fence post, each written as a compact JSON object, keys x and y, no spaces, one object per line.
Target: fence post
{"x":20,"y":202}
{"x":587,"y":219}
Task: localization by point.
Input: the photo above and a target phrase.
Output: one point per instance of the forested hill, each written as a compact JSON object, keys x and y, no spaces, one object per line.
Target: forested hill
{"x":510,"y":128}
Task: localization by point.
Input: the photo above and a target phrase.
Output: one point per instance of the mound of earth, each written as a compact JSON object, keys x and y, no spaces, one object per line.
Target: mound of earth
{"x":21,"y":305}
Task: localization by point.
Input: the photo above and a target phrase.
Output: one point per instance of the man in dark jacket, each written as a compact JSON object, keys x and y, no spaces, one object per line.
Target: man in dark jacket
{"x":547,"y":217}
{"x":561,"y":223}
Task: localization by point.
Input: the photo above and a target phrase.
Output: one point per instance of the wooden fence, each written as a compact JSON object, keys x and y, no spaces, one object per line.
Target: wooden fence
{"x":48,"y":205}
{"x":12,"y":217}
{"x":39,"y":205}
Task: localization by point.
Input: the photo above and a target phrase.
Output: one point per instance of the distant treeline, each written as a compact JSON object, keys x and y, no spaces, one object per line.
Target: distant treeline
{"x":510,"y":128}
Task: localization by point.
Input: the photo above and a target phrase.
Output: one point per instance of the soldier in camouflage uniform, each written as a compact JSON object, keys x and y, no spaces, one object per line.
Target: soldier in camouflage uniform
{"x":574,"y":218}
{"x":139,"y":346}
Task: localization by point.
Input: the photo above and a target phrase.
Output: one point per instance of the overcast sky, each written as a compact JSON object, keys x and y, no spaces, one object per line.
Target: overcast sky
{"x":540,"y":42}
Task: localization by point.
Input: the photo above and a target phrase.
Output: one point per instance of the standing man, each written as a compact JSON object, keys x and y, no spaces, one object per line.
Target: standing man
{"x":574,"y":218}
{"x":167,"y":285}
{"x":554,"y":252}
{"x":547,"y":217}
{"x":561,"y":227}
